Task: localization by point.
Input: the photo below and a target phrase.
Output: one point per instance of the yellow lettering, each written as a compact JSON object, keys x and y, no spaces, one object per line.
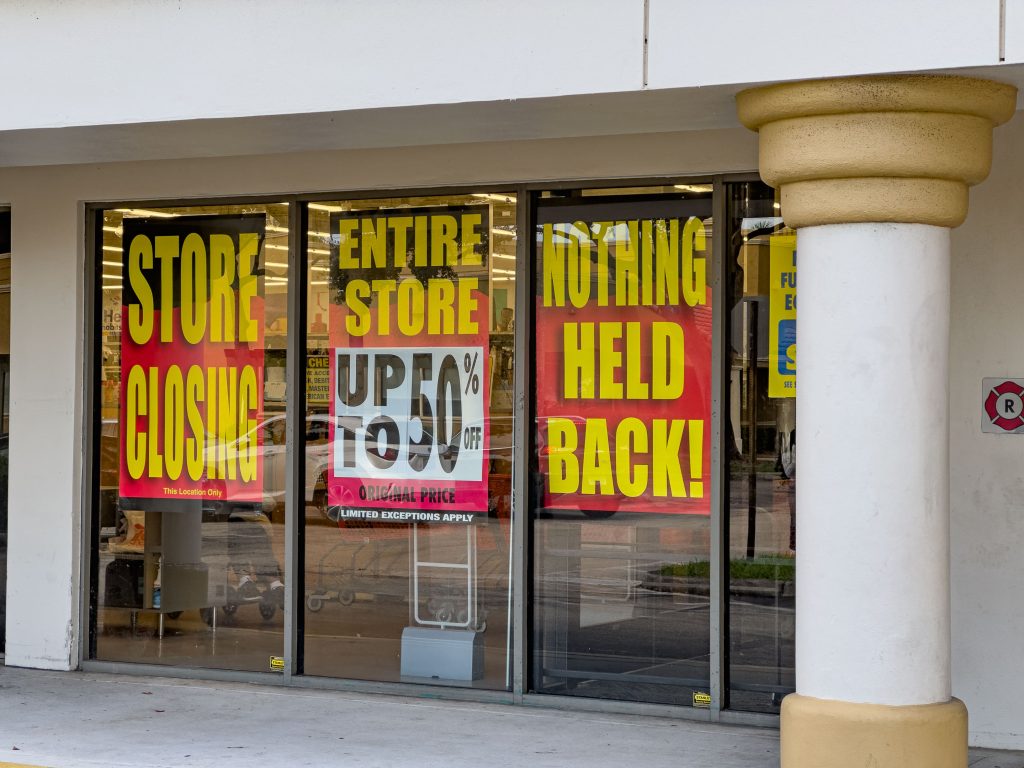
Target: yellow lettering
{"x":248,"y":250}
{"x":668,"y":364}
{"x":597,"y":460}
{"x":227,"y":422}
{"x":630,"y":438}
{"x":383,"y":290}
{"x":626,"y":265}
{"x":193,"y":289}
{"x":222,"y":296}
{"x":440,"y":309}
{"x":135,"y":406}
{"x":140,"y":314}
{"x":563,"y":466}
{"x":467,"y":305}
{"x":636,"y":387}
{"x":248,"y":394}
{"x":667,"y":438}
{"x":610,"y":360}
{"x":166,"y":253}
{"x":554,"y":269}
{"x":410,"y":307}
{"x":443,"y":247}
{"x":375,"y":243}
{"x":357,"y":323}
{"x":401,"y":226}
{"x":471,"y":239}
{"x":667,"y":277}
{"x":347,"y":243}
{"x":579,"y":268}
{"x":694,"y":269}
{"x":155,"y":463}
{"x":174,"y":422}
{"x":194,"y":448}
{"x":578,"y":352}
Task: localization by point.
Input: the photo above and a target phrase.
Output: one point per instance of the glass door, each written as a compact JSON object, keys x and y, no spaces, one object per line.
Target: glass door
{"x":5,"y":405}
{"x":621,"y":514}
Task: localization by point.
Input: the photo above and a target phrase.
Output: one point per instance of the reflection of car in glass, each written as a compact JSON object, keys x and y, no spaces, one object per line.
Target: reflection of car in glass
{"x":269,"y":436}
{"x":544,"y":451}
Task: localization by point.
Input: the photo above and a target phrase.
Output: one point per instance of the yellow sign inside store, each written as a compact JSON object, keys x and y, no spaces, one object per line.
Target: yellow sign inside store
{"x":782,"y":316}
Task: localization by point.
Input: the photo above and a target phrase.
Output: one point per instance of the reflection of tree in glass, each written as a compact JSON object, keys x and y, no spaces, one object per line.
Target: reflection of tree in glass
{"x":340,"y":278}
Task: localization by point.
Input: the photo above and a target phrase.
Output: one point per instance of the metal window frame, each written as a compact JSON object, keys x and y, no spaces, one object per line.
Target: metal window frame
{"x":520,"y":545}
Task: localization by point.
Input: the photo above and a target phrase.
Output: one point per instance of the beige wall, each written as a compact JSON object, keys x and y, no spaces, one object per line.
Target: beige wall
{"x":987,"y":471}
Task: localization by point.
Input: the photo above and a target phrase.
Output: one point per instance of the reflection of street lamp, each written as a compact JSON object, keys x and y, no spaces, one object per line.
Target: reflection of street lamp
{"x":753,"y":259}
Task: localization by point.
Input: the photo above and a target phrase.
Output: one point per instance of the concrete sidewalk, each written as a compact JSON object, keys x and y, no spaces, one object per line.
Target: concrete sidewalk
{"x":60,"y":720}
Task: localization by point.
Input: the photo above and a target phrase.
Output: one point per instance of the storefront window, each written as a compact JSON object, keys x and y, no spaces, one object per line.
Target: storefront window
{"x":5,"y":405}
{"x":401,"y":545}
{"x":189,"y":539}
{"x":621,"y":472}
{"x":410,"y":322}
{"x":760,"y":443}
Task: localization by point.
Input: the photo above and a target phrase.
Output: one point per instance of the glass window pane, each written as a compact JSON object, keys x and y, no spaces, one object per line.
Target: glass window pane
{"x":409,"y":439}
{"x":621,"y":483}
{"x":760,"y":442}
{"x":190,"y":541}
{"x":5,"y":404}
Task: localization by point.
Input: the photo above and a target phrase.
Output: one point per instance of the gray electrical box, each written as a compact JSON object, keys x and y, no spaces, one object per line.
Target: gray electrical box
{"x":446,"y":654}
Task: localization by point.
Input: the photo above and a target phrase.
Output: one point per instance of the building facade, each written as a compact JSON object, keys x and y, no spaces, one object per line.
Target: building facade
{"x":450,"y":349}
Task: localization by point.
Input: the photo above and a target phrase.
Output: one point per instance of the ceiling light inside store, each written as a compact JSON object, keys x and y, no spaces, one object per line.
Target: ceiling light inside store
{"x":499,"y":198}
{"x":145,"y":212}
{"x":504,"y":232}
{"x":329,"y":208}
{"x":503,"y":256}
{"x":701,"y":189}
{"x":284,"y":231}
{"x":318,"y":251}
{"x":318,"y":282}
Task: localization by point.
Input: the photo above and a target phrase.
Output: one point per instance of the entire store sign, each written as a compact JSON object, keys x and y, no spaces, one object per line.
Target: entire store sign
{"x":782,"y":316}
{"x":624,"y":365}
{"x":409,"y":363}
{"x":191,"y":359}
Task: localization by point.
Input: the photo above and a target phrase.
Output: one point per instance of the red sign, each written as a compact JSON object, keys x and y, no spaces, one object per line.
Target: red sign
{"x":409,"y":363}
{"x":624,"y":365}
{"x":1003,"y":406}
{"x":192,"y":359}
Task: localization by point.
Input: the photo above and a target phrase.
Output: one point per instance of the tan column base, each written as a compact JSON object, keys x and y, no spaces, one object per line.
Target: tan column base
{"x":821,"y":733}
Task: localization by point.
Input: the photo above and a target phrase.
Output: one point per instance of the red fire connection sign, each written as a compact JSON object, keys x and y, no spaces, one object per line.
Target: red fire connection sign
{"x":1003,"y":406}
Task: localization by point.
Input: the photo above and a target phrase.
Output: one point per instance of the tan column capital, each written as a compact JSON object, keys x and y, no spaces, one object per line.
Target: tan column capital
{"x":901,"y":148}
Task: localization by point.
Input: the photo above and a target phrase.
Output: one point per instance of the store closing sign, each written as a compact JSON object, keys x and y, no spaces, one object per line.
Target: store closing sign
{"x":624,"y":365}
{"x":192,"y":359}
{"x":409,"y":363}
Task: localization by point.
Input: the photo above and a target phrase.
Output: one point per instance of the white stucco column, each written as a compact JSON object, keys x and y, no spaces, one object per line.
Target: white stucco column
{"x":873,"y":173}
{"x":872,"y":487}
